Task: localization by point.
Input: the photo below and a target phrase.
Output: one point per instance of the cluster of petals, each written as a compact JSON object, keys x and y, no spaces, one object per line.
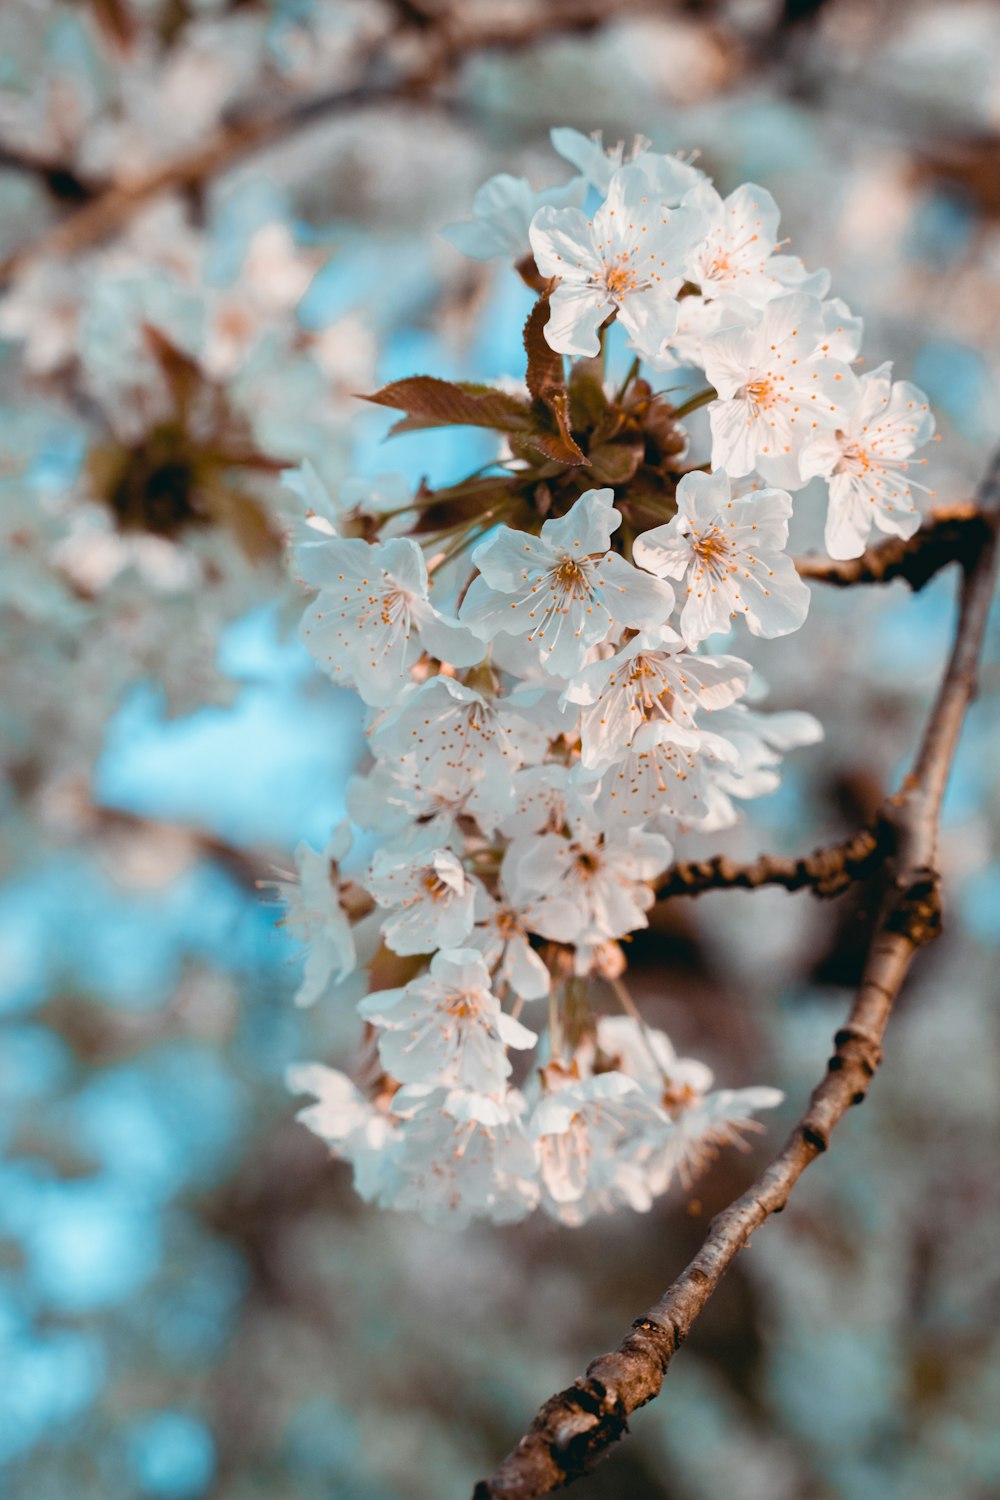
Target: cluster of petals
{"x":511,"y":863}
{"x":543,"y":731}
{"x":578,"y":1141}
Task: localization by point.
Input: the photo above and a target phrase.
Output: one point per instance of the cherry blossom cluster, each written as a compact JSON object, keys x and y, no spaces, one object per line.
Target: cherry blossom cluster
{"x":548,"y":709}
{"x":164,"y":399}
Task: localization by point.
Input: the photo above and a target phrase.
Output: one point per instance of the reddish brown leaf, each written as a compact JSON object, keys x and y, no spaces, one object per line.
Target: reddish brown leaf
{"x":555,"y":446}
{"x":117,"y":22}
{"x":545,"y":372}
{"x":182,"y":373}
{"x":429,"y":402}
{"x":531,"y":275}
{"x":546,"y":381}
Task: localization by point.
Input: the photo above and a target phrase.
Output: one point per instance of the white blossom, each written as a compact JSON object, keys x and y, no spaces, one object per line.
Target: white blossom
{"x":652,"y":679}
{"x":502,"y":211}
{"x":842,"y":331}
{"x":546,"y":797}
{"x":582,"y":1131}
{"x":394,"y":796}
{"x":314,"y":514}
{"x":730,"y":554}
{"x":373,"y":617}
{"x":598,"y":163}
{"x":315,"y":914}
{"x":446,"y":1028}
{"x":429,"y":897}
{"x":563,"y":589}
{"x":738,"y":255}
{"x":672,"y":177}
{"x":587,"y":887}
{"x":452,"y":735}
{"x":646,"y":1054}
{"x":665,"y":774}
{"x":694,"y":1122}
{"x":358,"y":1130}
{"x":464,"y":1155}
{"x":537,"y":752}
{"x":868,"y":460}
{"x":501,"y":936}
{"x":694,"y":1136}
{"x":629,"y":259}
{"x":776,"y":385}
{"x":759,"y":741}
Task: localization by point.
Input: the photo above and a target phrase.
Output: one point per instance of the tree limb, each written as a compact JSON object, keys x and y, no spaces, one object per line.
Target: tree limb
{"x":826,"y":872}
{"x":576,"y":1427}
{"x":59,"y":179}
{"x":439,"y":46}
{"x":950,"y":534}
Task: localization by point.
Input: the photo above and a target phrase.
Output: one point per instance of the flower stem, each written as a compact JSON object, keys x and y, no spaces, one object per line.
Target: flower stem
{"x":468,"y":532}
{"x":693,"y":403}
{"x":633,"y":371}
{"x":630,"y":1008}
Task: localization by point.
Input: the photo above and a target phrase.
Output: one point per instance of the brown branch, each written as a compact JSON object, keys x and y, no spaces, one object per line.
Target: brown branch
{"x":111,"y":209}
{"x":826,"y":872}
{"x":57,"y":177}
{"x":950,"y":534}
{"x":439,"y":48}
{"x":577,"y":1426}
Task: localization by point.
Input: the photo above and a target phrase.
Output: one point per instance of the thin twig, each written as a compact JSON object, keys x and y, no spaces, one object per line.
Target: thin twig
{"x":577,"y":1426}
{"x":952,"y":534}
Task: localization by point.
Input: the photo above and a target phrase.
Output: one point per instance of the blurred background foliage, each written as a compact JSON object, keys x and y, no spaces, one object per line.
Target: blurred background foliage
{"x":192,"y":1301}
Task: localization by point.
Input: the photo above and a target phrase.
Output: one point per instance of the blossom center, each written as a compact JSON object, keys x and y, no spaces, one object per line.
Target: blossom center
{"x":761,"y":393}
{"x":710,"y":547}
{"x":391,"y":605}
{"x":462,"y":1005}
{"x":620,"y":277}
{"x":432,"y":883}
{"x":855,"y":460}
{"x":678,"y":1096}
{"x":506,"y":923}
{"x":644,"y":700}
{"x":587,"y":863}
{"x":570,"y":577}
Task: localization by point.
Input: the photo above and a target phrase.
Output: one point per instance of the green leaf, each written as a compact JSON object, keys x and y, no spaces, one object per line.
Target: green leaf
{"x":429,"y":402}
{"x":588,"y":402}
{"x":616,"y":463}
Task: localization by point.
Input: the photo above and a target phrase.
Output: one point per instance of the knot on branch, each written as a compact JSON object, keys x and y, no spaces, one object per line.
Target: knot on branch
{"x":669,"y":1333}
{"x":916,"y":912}
{"x":830,"y":871}
{"x":859,"y":1051}
{"x":579,"y":1424}
{"x":856,"y":1046}
{"x":818,"y":1139}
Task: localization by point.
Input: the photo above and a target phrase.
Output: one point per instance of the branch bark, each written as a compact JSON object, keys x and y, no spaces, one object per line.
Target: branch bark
{"x":950,"y":534}
{"x":826,"y":872}
{"x":577,"y":1426}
